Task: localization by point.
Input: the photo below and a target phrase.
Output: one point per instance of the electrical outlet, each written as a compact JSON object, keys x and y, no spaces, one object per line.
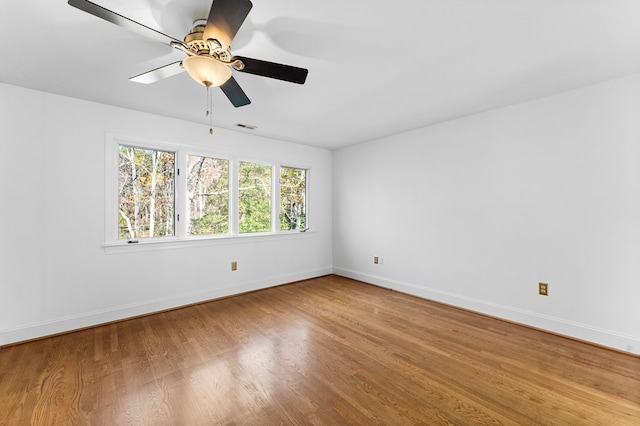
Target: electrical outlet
{"x":375,"y":259}
{"x":543,"y":289}
{"x":234,"y":266}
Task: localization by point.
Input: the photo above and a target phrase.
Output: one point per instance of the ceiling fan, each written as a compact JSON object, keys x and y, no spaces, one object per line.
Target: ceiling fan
{"x":209,"y":60}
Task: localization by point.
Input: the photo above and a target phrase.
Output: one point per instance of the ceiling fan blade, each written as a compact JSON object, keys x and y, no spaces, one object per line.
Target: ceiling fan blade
{"x":122,"y":21}
{"x":235,"y":93}
{"x":225,"y":19}
{"x":159,"y":73}
{"x":273,"y":70}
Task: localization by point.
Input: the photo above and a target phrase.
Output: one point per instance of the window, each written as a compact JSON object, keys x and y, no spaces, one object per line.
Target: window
{"x":293,"y":198}
{"x":208,"y":194}
{"x":146,"y":193}
{"x":163,"y":192}
{"x":254,"y":197}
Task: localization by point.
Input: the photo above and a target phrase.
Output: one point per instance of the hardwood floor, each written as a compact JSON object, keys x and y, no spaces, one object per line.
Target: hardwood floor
{"x":327,"y":351}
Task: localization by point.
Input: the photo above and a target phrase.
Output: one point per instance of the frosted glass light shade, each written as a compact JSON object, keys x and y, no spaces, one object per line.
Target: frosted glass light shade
{"x":206,"y":70}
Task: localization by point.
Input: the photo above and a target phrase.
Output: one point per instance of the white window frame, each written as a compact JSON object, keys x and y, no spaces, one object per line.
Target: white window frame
{"x":183,"y":192}
{"x":236,"y":197}
{"x":111,"y":186}
{"x":306,"y":199}
{"x":112,"y":244}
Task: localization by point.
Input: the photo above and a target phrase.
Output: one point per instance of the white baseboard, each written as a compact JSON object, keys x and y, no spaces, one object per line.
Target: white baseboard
{"x":598,"y":336}
{"x":76,"y":322}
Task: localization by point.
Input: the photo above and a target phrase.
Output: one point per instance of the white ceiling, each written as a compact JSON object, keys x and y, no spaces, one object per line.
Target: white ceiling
{"x":375,"y":68}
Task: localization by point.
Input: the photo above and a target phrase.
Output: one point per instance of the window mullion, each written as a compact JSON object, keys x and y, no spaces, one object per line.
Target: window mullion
{"x":306,"y":199}
{"x":234,"y":195}
{"x":180,"y":195}
{"x":275,"y":199}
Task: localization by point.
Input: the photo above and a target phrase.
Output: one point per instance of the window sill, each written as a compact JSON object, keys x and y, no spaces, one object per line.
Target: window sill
{"x":175,"y":243}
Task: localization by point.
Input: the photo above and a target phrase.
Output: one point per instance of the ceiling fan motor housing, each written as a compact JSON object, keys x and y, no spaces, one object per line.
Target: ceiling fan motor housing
{"x":196,"y":42}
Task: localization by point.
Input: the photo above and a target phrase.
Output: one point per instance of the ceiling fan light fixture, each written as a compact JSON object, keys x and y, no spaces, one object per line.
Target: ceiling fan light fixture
{"x":206,"y":70}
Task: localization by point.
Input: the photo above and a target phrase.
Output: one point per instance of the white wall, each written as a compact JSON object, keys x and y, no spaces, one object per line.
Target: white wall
{"x":54,"y":273}
{"x":475,"y":212}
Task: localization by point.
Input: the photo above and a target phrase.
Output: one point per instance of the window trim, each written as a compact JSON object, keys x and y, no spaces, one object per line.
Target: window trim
{"x":112,"y":244}
{"x":306,"y":199}
{"x":236,"y":211}
{"x":112,"y":145}
{"x":183,"y":160}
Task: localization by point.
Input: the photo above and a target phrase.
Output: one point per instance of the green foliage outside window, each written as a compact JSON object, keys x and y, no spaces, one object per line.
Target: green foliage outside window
{"x":254,"y":197}
{"x":293,"y":198}
{"x":145,"y":193}
{"x":147,"y":198}
{"x":208,"y":192}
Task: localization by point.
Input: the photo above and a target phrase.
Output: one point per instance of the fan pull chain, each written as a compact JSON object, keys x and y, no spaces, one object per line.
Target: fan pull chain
{"x":210,"y":109}
{"x":211,"y":114}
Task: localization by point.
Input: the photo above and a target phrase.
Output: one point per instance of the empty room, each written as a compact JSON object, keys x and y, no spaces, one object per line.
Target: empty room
{"x":277,"y":212}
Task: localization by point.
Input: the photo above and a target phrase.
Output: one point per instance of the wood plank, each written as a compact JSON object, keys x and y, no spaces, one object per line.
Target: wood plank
{"x":325,"y":351}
